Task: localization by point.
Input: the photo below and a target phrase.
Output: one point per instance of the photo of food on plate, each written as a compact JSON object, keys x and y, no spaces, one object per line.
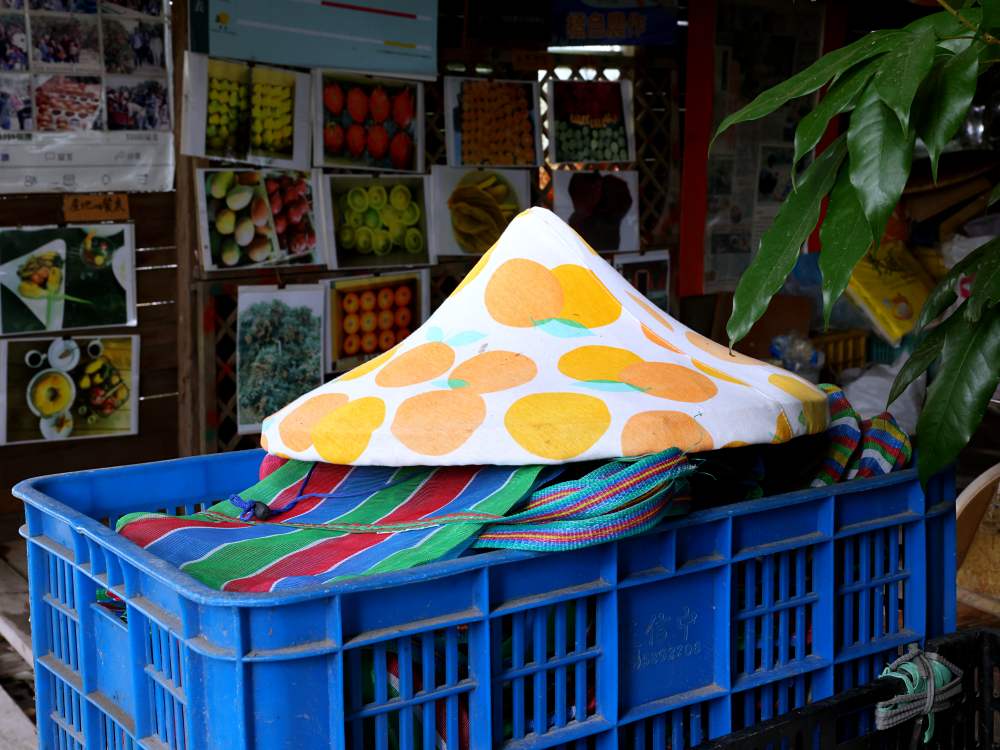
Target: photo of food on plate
{"x":137,"y":105}
{"x":65,"y":42}
{"x":473,"y":206}
{"x":590,"y":122}
{"x":368,"y":123}
{"x":377,"y":222}
{"x":62,"y":278}
{"x":15,"y":103}
{"x":603,"y":207}
{"x":279,"y":351}
{"x":68,"y":103}
{"x":371,"y":314}
{"x":13,"y":42}
{"x":80,"y":387}
{"x":257,"y":217}
{"x":492,"y":123}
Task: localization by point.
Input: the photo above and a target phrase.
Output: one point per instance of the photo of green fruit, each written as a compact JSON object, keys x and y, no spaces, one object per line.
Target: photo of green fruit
{"x":227,"y":127}
{"x":589,"y":120}
{"x":379,"y":222}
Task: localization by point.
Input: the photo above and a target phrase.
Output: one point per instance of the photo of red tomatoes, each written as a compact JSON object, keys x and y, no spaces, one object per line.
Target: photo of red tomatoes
{"x":371,"y":123}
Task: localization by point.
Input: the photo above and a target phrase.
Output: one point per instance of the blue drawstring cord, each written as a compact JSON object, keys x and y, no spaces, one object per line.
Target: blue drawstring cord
{"x":262,"y":511}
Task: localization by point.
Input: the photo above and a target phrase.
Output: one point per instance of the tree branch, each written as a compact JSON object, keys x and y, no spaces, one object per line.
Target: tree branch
{"x":988,"y":38}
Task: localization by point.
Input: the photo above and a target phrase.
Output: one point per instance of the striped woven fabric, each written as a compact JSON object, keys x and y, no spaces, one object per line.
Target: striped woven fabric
{"x":844,"y":433}
{"x":885,"y":447}
{"x":227,"y":553}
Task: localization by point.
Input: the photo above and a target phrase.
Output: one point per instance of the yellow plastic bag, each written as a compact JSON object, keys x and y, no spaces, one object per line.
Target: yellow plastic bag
{"x":891,"y":286}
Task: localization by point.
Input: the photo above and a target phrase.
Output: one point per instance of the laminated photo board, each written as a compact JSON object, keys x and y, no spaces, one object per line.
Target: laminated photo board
{"x":259,"y":217}
{"x":603,"y":207}
{"x":376,"y":222}
{"x":649,"y":272}
{"x":369,"y":315}
{"x":368,"y":123}
{"x":590,"y":122}
{"x":85,"y":96}
{"x":471,"y":207}
{"x":67,"y":278}
{"x":242,"y":112}
{"x":69,"y":388}
{"x":544,"y":354}
{"x":279,"y":348}
{"x":492,"y":122}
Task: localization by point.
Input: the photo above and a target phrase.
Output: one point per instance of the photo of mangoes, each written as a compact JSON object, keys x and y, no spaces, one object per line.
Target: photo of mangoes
{"x":227,"y":127}
{"x":370,"y":123}
{"x":481,"y":206}
{"x":589,"y":120}
{"x":379,"y":222}
{"x":272,"y":112}
{"x":372,"y":314}
{"x":255,"y":217}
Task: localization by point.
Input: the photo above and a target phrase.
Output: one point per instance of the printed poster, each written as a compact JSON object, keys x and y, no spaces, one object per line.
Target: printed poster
{"x":649,"y":272}
{"x":66,"y":278}
{"x":603,"y":207}
{"x":279,"y":349}
{"x":492,"y":122}
{"x":590,"y":122}
{"x":470,"y":207}
{"x":239,"y":112}
{"x":264,"y":217}
{"x":85,"y":96}
{"x":63,"y":388}
{"x":371,"y":314}
{"x":394,"y":37}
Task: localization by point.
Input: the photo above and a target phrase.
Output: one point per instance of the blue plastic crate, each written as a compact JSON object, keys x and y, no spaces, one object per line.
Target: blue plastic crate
{"x":707,"y":625}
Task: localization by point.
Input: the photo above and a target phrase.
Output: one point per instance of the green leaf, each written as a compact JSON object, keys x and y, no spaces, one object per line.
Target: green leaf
{"x":840,"y":98}
{"x":881,"y":153}
{"x":944,"y":24}
{"x":780,"y":244}
{"x":994,"y":196}
{"x":943,"y":101}
{"x":922,"y":356}
{"x":902,"y":70}
{"x":985,"y":290}
{"x":957,"y":399}
{"x":943,"y":295}
{"x":814,"y":77}
{"x":844,"y":239}
{"x":991,"y":15}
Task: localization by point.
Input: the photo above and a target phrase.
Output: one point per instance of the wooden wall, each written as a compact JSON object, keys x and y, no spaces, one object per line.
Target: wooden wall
{"x":156,"y":295}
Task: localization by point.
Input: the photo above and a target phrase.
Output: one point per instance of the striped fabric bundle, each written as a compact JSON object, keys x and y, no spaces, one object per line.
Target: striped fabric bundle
{"x":885,"y":447}
{"x":230,"y":554}
{"x":306,"y":523}
{"x":844,"y":433}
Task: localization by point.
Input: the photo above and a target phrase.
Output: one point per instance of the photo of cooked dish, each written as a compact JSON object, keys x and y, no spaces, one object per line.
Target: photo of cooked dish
{"x":58,"y":278}
{"x":69,"y":388}
{"x":68,"y":103}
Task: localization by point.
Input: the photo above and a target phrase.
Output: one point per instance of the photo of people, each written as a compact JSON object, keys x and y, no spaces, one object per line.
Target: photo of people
{"x":137,"y":104}
{"x":15,"y":103}
{"x":65,"y":41}
{"x":68,"y":103}
{"x":133,"y":46}
{"x":13,"y":43}
{"x":147,"y":7}
{"x":64,"y":6}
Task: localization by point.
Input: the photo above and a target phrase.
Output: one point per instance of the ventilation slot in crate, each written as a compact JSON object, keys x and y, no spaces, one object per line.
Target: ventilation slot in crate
{"x":166,"y":687}
{"x":409,"y":692}
{"x":544,"y":670}
{"x":679,"y":729}
{"x":114,"y":737}
{"x":774,"y":602}
{"x":751,"y":707}
{"x":66,"y":715}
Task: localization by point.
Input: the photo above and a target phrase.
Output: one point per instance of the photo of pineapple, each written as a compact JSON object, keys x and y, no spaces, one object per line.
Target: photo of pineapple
{"x":226,"y":129}
{"x":272,"y":112}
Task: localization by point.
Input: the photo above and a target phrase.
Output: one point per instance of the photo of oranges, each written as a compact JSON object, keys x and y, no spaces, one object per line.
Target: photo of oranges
{"x":492,"y":123}
{"x":369,"y":315}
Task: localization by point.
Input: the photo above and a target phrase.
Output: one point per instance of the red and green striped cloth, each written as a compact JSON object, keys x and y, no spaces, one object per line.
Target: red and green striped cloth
{"x":326,"y":522}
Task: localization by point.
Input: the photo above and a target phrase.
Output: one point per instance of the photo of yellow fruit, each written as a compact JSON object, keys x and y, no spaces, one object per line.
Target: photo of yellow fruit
{"x":272,"y":112}
{"x":228,"y":115}
{"x":481,"y":207}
